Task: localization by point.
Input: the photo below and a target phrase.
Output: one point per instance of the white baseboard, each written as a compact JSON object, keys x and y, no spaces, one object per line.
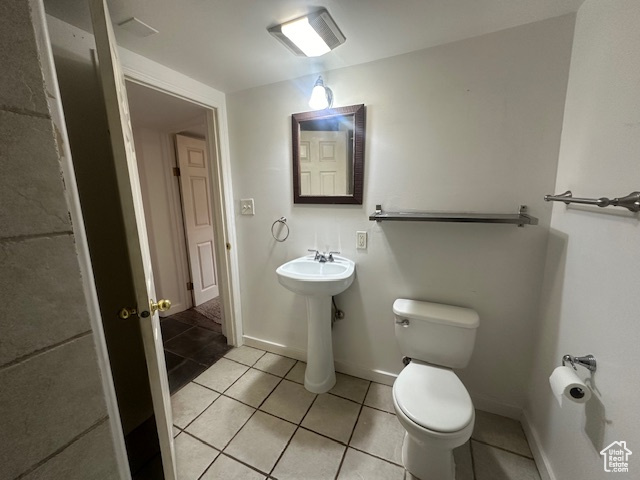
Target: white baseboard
{"x":347,"y":368}
{"x":378,"y":376}
{"x":542,"y":462}
{"x":488,"y":404}
{"x":275,"y":348}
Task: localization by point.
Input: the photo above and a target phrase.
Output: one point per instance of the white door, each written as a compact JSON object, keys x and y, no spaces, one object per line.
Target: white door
{"x":124,"y":157}
{"x":323,"y":163}
{"x":198,"y":217}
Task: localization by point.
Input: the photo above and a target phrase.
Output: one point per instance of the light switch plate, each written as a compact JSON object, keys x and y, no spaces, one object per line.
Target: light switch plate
{"x":361,"y":240}
{"x":247,"y":207}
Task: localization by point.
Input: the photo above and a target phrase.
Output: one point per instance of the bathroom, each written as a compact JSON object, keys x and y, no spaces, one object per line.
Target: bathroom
{"x":482,"y":124}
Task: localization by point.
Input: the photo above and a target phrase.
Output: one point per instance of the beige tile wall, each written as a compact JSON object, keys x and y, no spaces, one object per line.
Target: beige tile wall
{"x":53,"y":414}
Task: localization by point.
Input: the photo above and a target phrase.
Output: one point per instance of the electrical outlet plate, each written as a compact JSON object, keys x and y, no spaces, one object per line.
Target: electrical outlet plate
{"x":361,"y":240}
{"x":247,"y":207}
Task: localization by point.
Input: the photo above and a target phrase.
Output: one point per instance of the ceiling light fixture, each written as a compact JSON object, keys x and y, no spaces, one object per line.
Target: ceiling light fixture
{"x":311,"y":35}
{"x":321,"y":96}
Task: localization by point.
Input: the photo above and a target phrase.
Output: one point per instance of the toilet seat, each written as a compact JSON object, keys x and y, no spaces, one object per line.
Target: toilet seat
{"x":433,"y":397}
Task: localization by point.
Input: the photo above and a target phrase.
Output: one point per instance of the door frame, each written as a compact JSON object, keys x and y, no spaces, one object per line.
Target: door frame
{"x":220,"y":171}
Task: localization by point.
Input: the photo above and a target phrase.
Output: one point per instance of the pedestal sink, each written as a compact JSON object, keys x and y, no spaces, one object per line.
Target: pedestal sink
{"x":318,"y":282}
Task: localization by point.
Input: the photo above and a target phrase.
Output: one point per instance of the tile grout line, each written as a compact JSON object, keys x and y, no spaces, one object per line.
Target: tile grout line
{"x":193,"y":327}
{"x":376,"y":456}
{"x":204,"y":443}
{"x":293,"y":435}
{"x":236,"y":460}
{"x":184,"y":429}
{"x":502,"y":448}
{"x":189,"y":357}
{"x":222,"y":452}
{"x":353,"y":430}
{"x":352,"y":400}
{"x":473,"y":463}
{"x":298,"y":425}
{"x":219,"y":395}
{"x":257,"y":410}
{"x":174,"y":337}
{"x":248,"y":419}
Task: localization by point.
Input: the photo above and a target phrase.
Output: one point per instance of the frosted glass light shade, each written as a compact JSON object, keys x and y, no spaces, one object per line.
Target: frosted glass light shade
{"x":318,"y":100}
{"x":305,"y":37}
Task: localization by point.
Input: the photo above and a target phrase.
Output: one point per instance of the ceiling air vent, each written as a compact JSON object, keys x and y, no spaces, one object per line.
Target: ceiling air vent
{"x":137,"y":27}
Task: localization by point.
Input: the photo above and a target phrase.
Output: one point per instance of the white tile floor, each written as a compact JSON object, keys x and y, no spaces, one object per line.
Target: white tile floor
{"x":249,"y":417}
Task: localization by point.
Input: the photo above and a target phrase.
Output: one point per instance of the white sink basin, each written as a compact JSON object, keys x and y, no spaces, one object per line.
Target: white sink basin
{"x":307,"y":276}
{"x":318,"y":282}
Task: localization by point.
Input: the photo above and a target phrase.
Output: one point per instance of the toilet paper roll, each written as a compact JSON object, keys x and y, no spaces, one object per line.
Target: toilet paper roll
{"x":565,"y":383}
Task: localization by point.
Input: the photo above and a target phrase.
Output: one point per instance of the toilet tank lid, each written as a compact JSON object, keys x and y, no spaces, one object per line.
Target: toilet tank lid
{"x":436,"y":313}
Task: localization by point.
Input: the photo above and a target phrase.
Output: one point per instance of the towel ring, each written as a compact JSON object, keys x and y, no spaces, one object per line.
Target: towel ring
{"x":283,"y":221}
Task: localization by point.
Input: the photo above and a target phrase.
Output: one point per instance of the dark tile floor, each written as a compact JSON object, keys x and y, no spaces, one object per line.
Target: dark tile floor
{"x":190,"y":349}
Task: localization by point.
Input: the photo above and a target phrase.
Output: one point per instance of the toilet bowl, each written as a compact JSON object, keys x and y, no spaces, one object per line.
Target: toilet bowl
{"x":437,"y":414}
{"x":430,"y":401}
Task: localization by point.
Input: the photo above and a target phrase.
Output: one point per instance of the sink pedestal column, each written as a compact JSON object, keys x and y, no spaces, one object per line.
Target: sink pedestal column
{"x":320,"y":375}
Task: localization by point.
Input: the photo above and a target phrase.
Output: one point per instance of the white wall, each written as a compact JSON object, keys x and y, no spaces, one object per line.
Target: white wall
{"x":163,"y":215}
{"x":590,"y":296}
{"x":469,"y":126}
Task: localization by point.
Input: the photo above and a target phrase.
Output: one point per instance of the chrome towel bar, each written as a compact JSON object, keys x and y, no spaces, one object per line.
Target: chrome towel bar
{"x":631,"y":202}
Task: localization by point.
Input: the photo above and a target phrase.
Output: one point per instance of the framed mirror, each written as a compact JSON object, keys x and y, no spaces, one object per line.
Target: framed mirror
{"x":328,"y":155}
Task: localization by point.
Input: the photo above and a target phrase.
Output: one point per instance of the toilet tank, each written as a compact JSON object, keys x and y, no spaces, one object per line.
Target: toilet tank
{"x":435,"y":333}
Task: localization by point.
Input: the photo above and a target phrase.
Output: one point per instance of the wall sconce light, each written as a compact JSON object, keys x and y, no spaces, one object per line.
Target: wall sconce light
{"x":321,"y":96}
{"x":311,"y":35}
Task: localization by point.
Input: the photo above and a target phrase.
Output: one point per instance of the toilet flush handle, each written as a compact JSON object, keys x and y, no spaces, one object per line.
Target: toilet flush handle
{"x":403,"y":321}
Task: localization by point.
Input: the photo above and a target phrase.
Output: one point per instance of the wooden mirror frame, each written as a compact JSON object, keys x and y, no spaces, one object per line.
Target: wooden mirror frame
{"x":358,"y":112}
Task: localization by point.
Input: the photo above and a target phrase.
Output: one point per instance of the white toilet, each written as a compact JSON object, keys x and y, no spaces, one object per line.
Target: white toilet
{"x":430,"y":401}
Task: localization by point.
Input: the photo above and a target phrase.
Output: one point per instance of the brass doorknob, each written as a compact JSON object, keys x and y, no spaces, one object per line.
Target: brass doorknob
{"x":161,"y":306}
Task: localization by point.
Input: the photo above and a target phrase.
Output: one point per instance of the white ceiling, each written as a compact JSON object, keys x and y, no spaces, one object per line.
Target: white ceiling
{"x":225,"y":44}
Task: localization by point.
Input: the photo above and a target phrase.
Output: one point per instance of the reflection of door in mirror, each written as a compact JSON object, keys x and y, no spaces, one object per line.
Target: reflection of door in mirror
{"x":323,"y":163}
{"x":328,"y":155}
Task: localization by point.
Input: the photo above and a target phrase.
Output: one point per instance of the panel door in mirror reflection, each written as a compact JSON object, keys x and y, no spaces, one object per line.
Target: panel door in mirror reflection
{"x":323,"y":163}
{"x":328,"y":155}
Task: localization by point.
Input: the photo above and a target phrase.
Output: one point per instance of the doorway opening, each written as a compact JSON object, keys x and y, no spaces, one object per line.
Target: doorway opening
{"x":171,"y":139}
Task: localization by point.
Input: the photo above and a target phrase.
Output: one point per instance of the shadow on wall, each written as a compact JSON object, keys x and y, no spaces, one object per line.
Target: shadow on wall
{"x":548,"y":350}
{"x":355,"y":322}
{"x":595,"y":420}
{"x":546,"y":357}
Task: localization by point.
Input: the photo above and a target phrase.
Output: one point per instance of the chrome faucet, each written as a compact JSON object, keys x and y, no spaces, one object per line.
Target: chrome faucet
{"x":323,"y":257}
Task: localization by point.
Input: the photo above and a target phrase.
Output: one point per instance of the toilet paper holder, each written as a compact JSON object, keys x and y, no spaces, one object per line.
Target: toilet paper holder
{"x":588,"y":362}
